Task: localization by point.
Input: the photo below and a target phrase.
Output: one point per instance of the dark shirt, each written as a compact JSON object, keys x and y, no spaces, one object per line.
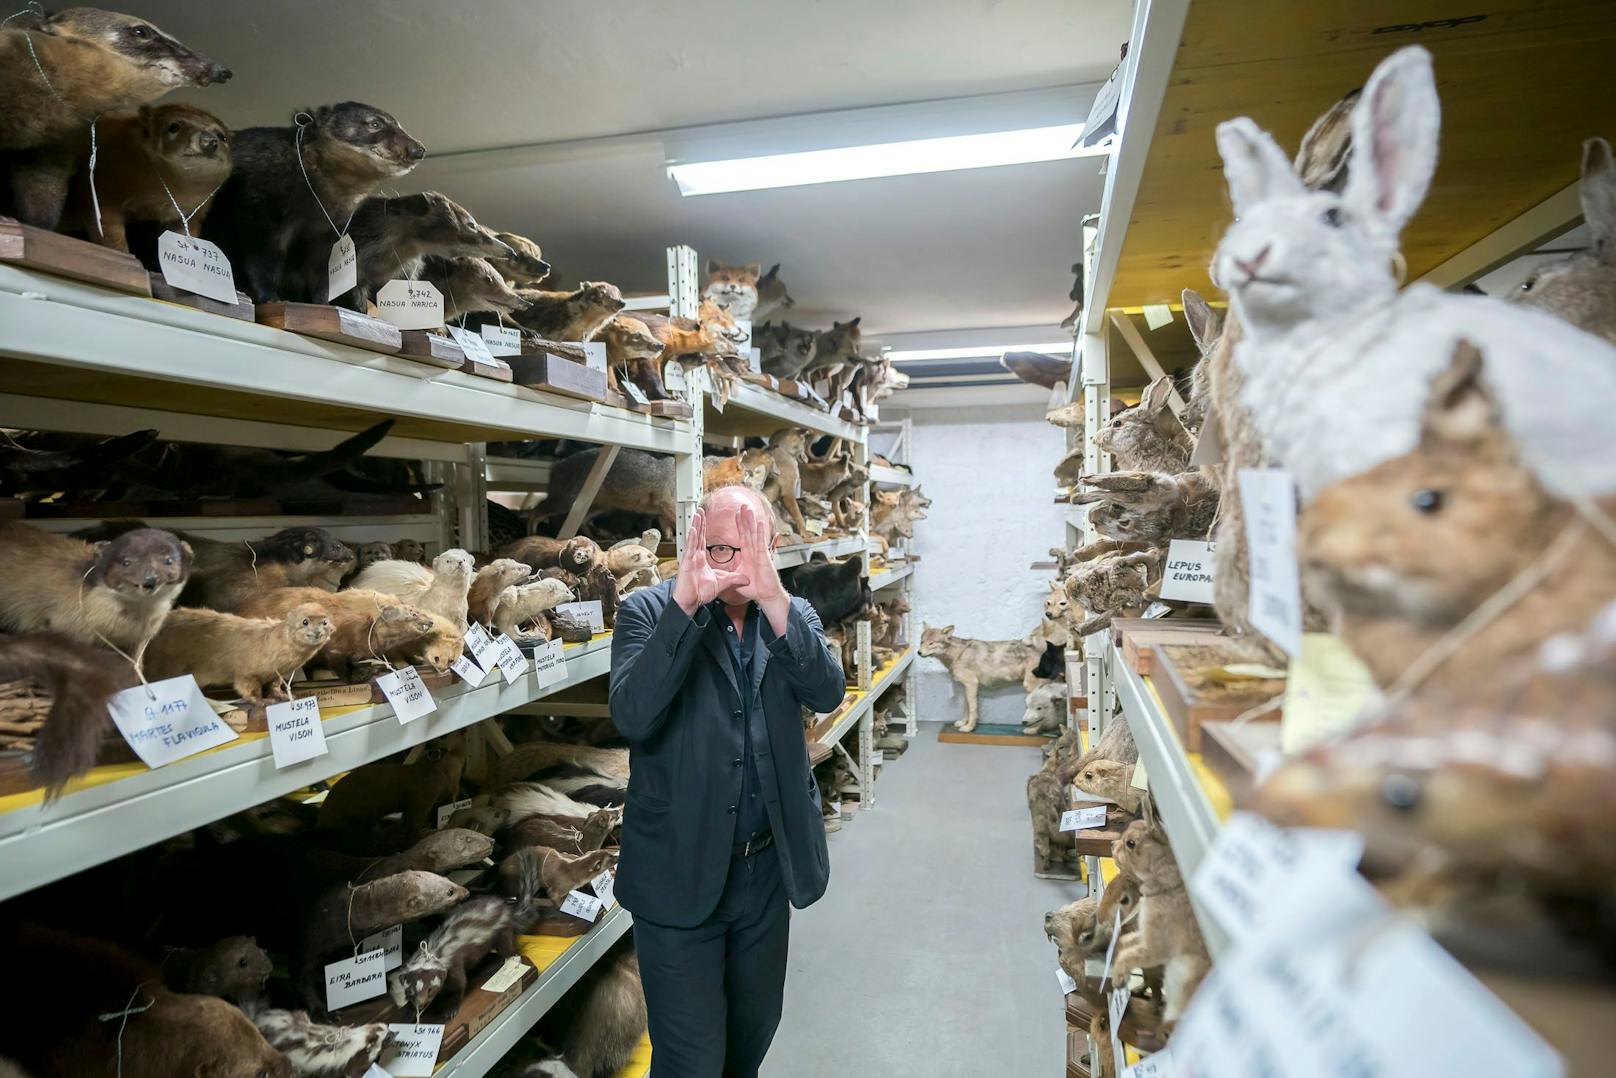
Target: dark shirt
{"x":753,"y":816}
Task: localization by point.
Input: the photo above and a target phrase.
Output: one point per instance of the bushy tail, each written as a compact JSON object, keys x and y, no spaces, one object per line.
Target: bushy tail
{"x":79,"y":685}
{"x":314,"y":465}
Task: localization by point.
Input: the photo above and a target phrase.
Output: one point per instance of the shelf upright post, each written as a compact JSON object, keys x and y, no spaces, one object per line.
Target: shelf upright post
{"x":469,"y":491}
{"x":683,"y":301}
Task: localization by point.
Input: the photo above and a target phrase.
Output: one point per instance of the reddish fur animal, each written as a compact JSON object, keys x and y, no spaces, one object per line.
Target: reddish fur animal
{"x":255,"y":656}
{"x":734,"y":288}
{"x":570,"y":316}
{"x":576,"y":555}
{"x":364,"y":624}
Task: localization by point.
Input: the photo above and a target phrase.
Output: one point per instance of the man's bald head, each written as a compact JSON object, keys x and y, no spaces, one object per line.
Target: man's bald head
{"x":727,"y":501}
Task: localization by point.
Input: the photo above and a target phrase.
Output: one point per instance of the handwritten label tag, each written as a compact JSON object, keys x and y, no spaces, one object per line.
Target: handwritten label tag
{"x":195,"y":265}
{"x":812,"y":526}
{"x":412,"y":1050}
{"x":673,"y":378}
{"x":1326,"y":690}
{"x":410,"y":304}
{"x":1156,"y":1065}
{"x":446,"y":812}
{"x":603,"y":885}
{"x":1117,"y":1006}
{"x":390,"y":940}
{"x":469,"y":671}
{"x":502,"y":340}
{"x":594,"y":354}
{"x":1083,"y":819}
{"x":589,"y":611}
{"x":585,"y":907}
{"x":408,"y":695}
{"x":1268,"y":497}
{"x":167,"y":720}
{"x":472,"y":344}
{"x":342,"y":269}
{"x":743,"y":334}
{"x":295,"y":733}
{"x":482,"y":647}
{"x":1253,"y":865}
{"x":1188,"y":575}
{"x":354,"y":980}
{"x":1067,"y":982}
{"x":635,"y":393}
{"x":512,"y":663}
{"x":549,"y":664}
{"x":506,"y":976}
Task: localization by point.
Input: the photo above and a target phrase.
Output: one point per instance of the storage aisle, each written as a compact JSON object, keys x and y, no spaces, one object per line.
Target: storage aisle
{"x":927,"y":955}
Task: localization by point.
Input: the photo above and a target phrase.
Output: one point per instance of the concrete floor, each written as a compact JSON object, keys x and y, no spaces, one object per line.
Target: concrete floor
{"x":927,"y":955}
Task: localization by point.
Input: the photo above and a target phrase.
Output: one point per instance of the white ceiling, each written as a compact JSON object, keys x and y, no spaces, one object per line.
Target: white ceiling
{"x":988,"y":247}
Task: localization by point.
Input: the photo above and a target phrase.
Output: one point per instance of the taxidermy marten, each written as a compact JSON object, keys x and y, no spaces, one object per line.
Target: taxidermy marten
{"x":570,"y":316}
{"x":95,"y":62}
{"x":79,"y":677}
{"x":368,"y":793}
{"x":115,"y":593}
{"x":470,"y":285}
{"x":178,"y":145}
{"x":734,"y":288}
{"x":364,"y":624}
{"x":393,"y":237}
{"x":633,"y":350}
{"x":491,"y":580}
{"x":525,"y":266}
{"x":315,"y":1050}
{"x":271,"y":221}
{"x":235,"y":968}
{"x":575,"y":555}
{"x":255,"y":656}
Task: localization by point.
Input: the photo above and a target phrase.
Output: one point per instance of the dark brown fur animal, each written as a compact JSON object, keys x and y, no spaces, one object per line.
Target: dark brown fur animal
{"x":233,"y":968}
{"x":255,"y":656}
{"x":365,"y":795}
{"x":470,"y":285}
{"x":364,"y":624}
{"x":491,"y":579}
{"x":559,"y":873}
{"x":272,"y":222}
{"x":576,"y":555}
{"x":524,"y":266}
{"x":137,"y":153}
{"x":394,"y":236}
{"x":772,"y":295}
{"x":79,"y":678}
{"x":230,"y":575}
{"x":570,"y":316}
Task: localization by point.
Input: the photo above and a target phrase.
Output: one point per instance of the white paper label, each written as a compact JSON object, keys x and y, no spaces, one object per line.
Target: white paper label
{"x":342,"y":270}
{"x":482,"y":647}
{"x":446,"y":812}
{"x":754,"y":360}
{"x":589,"y":611}
{"x":410,"y":304}
{"x":472,"y":345}
{"x":412,"y":1050}
{"x":506,"y":976}
{"x":635,"y":393}
{"x":1111,"y":947}
{"x":354,"y":980}
{"x":594,"y":354}
{"x":603,"y":885}
{"x":549,"y":664}
{"x":512,"y":663}
{"x":1188,"y":575}
{"x":390,"y":940}
{"x":1083,"y":819}
{"x":376,"y":1072}
{"x":469,"y":671}
{"x":1252,"y":866}
{"x":1117,"y":1006}
{"x":1140,"y":780}
{"x":408,"y":695}
{"x":673,"y":378}
{"x":1268,"y":497}
{"x":1158,"y":315}
{"x":1156,"y":1065}
{"x":295,"y":733}
{"x":195,"y":265}
{"x":836,"y":807}
{"x":502,"y":340}
{"x":167,"y":720}
{"x":1067,"y":982}
{"x":743,"y":334}
{"x":580,"y":905}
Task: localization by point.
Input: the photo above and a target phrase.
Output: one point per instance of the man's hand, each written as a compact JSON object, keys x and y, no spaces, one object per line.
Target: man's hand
{"x":698,"y":582}
{"x":757,"y":556}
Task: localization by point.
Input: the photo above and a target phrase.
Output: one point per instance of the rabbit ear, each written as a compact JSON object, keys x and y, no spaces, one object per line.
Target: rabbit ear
{"x":1460,"y":408}
{"x":1599,"y":198}
{"x":1395,"y":128}
{"x":1203,"y":320}
{"x":1253,"y":164}
{"x":1156,"y":395}
{"x":1321,"y":161}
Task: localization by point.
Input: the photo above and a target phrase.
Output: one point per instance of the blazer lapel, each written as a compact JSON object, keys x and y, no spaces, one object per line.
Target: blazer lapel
{"x":714,"y":639}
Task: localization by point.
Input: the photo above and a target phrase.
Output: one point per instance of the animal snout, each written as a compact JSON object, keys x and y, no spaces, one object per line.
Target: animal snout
{"x":542,"y":266}
{"x":416,"y":151}
{"x":150,"y":582}
{"x":216,"y":73}
{"x":1253,"y":265}
{"x":505,"y":249}
{"x":208,"y":144}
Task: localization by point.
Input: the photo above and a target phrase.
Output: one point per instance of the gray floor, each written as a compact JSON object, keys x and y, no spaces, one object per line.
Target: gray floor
{"x":927,"y":956}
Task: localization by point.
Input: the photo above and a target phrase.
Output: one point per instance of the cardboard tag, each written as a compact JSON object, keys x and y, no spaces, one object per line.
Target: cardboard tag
{"x":1268,"y":497}
{"x":408,"y":694}
{"x":1188,"y":575}
{"x":1083,"y":819}
{"x":594,"y":354}
{"x":445,"y":812}
{"x":1209,"y":442}
{"x":354,"y":980}
{"x":390,"y":940}
{"x":1117,"y":1006}
{"x":376,"y":1072}
{"x":167,"y":720}
{"x":586,"y":611}
{"x":754,"y":360}
{"x":1067,"y":982}
{"x":836,"y":807}
{"x":635,"y":393}
{"x":603,"y":885}
{"x":549,"y":664}
{"x":195,"y":265}
{"x":481,"y":646}
{"x":585,"y":907}
{"x":1156,"y":1065}
{"x":502,"y":340}
{"x":342,"y":269}
{"x":469,"y":671}
{"x":472,"y":345}
{"x":512,"y":663}
{"x":410,"y":304}
{"x":673,"y":378}
{"x":412,"y":1050}
{"x":1140,"y":780}
{"x":295,"y":733}
{"x":1158,"y":315}
{"x":1326,"y":689}
{"x":1253,"y":866}
{"x":506,"y":976}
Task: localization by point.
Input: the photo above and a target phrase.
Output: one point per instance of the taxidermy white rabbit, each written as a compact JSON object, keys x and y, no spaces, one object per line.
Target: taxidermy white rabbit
{"x":1337,"y":361}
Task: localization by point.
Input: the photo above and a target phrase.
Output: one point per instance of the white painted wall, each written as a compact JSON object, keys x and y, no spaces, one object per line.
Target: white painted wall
{"x":988,"y":471}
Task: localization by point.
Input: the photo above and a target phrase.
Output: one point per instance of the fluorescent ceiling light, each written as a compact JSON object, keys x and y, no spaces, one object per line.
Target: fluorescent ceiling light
{"x":902,"y":355}
{"x":882,"y":159}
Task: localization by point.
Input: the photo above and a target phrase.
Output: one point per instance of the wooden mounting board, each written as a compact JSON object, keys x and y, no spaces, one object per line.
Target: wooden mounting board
{"x":948,"y":735}
{"x":433,"y":348}
{"x":332,"y":324}
{"x":242,"y":309}
{"x":51,"y":252}
{"x":556,"y":374}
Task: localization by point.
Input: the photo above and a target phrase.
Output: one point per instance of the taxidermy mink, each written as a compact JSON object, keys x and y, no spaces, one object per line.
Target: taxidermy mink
{"x":524,"y":265}
{"x":438,"y":649}
{"x":115,"y":593}
{"x":94,"y":62}
{"x":836,"y":589}
{"x":393,"y":236}
{"x":470,"y":285}
{"x":55,"y":1028}
{"x":368,"y":793}
{"x":1168,"y":934}
{"x":269,"y":219}
{"x":235,"y":968}
{"x":570,"y":316}
{"x":137,"y":153}
{"x":491,"y":580}
{"x":603,"y":1018}
{"x":255,"y":656}
{"x":79,"y":678}
{"x":576,"y":555}
{"x":733,"y":288}
{"x":441,"y":590}
{"x":772,"y":295}
{"x":365,"y":625}
{"x":315,"y":1050}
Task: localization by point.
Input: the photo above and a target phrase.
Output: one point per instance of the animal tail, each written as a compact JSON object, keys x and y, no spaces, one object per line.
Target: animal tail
{"x":103,"y":452}
{"x":312,"y":465}
{"x":530,"y":900}
{"x":67,"y":743}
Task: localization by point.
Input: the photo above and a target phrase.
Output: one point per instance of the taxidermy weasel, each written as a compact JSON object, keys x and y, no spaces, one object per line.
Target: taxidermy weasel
{"x":115,"y":593}
{"x":79,"y":677}
{"x":255,"y":656}
{"x":733,"y":288}
{"x":520,"y":611}
{"x":235,"y":968}
{"x":524,"y":266}
{"x":491,"y":580}
{"x":442,"y":589}
{"x":438,"y":648}
{"x":365,"y":625}
{"x":394,"y":236}
{"x":576,"y":555}
{"x":272,"y":222}
{"x":137,"y":153}
{"x":570,"y":316}
{"x":469,"y":285}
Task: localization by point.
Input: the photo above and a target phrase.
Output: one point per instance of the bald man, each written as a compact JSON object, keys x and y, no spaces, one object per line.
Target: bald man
{"x":710,"y":672}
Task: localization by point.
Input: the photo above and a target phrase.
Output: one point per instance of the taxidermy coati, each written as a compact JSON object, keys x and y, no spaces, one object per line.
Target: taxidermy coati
{"x":470,"y":285}
{"x":734,"y":288}
{"x":137,"y":153}
{"x":271,"y":222}
{"x":772,"y":295}
{"x":393,"y":237}
{"x":79,"y":677}
{"x":524,"y":266}
{"x":115,"y":593}
{"x":95,"y":62}
{"x":255,"y":656}
{"x":570,"y":316}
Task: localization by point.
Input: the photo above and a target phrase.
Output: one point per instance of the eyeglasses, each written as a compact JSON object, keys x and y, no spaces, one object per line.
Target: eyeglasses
{"x":719,"y":554}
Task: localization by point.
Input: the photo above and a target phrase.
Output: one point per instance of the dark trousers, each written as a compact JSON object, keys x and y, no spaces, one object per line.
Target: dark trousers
{"x":713,"y":992}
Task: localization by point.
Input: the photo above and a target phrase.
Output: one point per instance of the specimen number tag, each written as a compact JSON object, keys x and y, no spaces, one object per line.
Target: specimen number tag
{"x":410,"y":304}
{"x":408,"y":694}
{"x":194,"y":265}
{"x":507,"y":975}
{"x":1083,"y":819}
{"x":469,"y":671}
{"x":482,"y":647}
{"x":167,"y":720}
{"x":582,"y":906}
{"x":1067,"y":982}
{"x":390,"y":940}
{"x":502,"y":340}
{"x":1268,"y":496}
{"x":354,"y":980}
{"x":472,"y":344}
{"x":1156,"y":1065}
{"x":1188,"y":575}
{"x":446,"y":812}
{"x":412,"y":1050}
{"x":342,"y":270}
{"x":635,"y":393}
{"x":589,"y":611}
{"x":295,"y":734}
{"x":512,"y":663}
{"x":549,"y":664}
{"x":603,"y":885}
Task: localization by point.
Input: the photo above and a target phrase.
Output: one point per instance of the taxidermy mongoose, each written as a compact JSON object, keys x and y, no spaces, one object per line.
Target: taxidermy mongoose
{"x":524,"y":266}
{"x":255,"y":656}
{"x":79,"y":677}
{"x":94,"y":62}
{"x":470,"y":285}
{"x":570,"y":316}
{"x":368,"y":793}
{"x":269,"y":219}
{"x":137,"y":154}
{"x":393,"y":237}
{"x":365,"y":625}
{"x":115,"y":593}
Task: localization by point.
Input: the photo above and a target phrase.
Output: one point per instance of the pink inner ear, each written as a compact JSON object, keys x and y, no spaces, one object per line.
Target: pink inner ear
{"x":1386,"y":146}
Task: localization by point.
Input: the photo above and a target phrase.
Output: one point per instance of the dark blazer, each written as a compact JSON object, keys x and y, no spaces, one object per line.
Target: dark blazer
{"x":674,"y":696}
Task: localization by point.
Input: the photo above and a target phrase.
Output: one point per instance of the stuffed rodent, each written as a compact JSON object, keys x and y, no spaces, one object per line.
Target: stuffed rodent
{"x":255,"y":656}
{"x":1109,"y":779}
{"x":1148,"y":437}
{"x":1581,"y":288}
{"x":1110,"y":584}
{"x":1168,"y":933}
{"x":368,"y":793}
{"x":1146,"y":507}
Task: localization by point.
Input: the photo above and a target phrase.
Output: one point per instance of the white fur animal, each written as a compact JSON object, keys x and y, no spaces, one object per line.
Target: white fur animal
{"x":440,"y":590}
{"x":524,"y":799}
{"x":1337,"y":361}
{"x":519,"y":605}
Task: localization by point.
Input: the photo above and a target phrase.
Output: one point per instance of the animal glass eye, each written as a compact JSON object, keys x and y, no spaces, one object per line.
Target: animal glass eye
{"x":139,"y":31}
{"x":1332,"y":216}
{"x":168,"y":559}
{"x":126,"y":562}
{"x":1526,"y":285}
{"x":1426,"y":501}
{"x":1400,"y":792}
{"x":174,"y":128}
{"x":1129,"y":843}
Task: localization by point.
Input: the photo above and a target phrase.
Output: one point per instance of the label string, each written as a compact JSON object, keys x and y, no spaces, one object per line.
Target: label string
{"x":35,"y":9}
